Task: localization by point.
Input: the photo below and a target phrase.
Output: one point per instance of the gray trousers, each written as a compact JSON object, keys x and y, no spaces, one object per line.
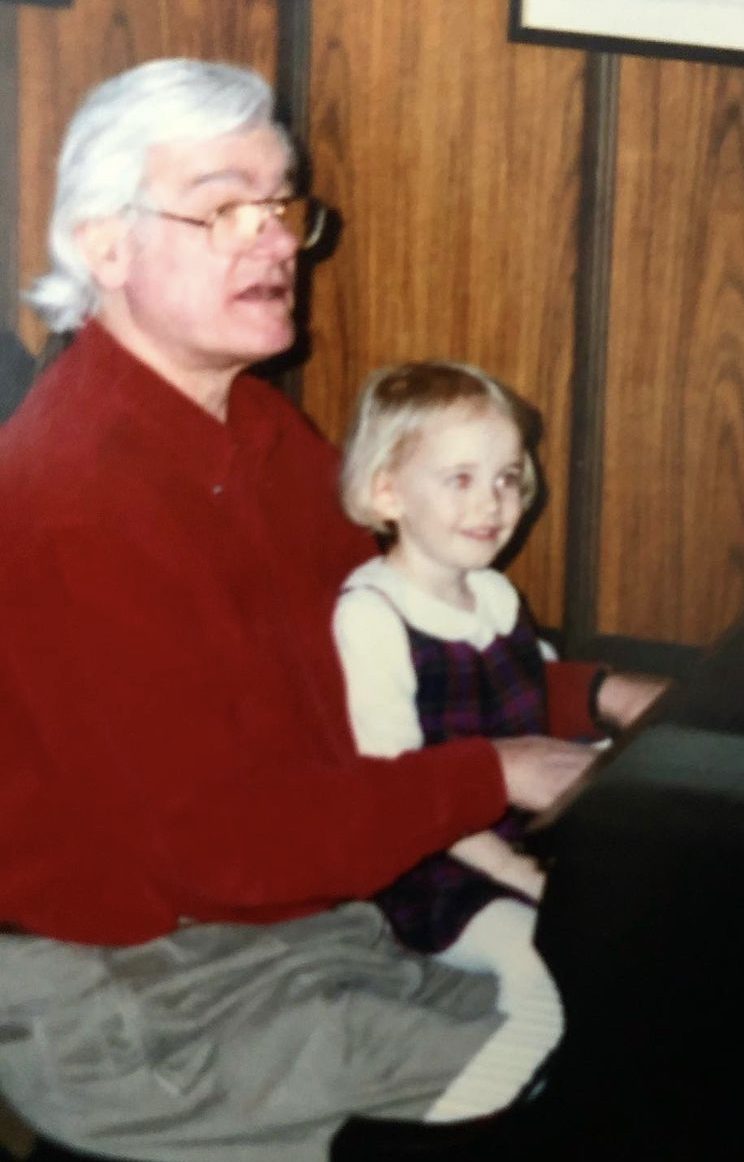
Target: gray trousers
{"x":232,"y":1042}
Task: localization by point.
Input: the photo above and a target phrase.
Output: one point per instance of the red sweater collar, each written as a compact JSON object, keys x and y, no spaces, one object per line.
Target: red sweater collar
{"x":117,"y":382}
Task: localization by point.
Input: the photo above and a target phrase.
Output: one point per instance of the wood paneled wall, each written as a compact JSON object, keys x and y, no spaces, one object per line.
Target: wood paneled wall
{"x":672,"y":538}
{"x":454,"y":159}
{"x":62,"y":52}
{"x":458,"y":164}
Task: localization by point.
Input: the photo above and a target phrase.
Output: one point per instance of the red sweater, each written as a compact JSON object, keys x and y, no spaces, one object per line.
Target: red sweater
{"x":173,"y":736}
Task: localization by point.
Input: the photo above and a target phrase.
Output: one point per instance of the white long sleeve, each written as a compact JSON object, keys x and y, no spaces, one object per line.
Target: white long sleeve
{"x":380,"y":680}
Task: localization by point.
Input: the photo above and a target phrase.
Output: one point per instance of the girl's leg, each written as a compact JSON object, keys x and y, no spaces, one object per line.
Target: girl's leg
{"x":499,"y":940}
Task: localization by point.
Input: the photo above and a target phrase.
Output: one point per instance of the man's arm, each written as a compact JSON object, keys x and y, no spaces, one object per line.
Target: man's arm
{"x":165,"y":780}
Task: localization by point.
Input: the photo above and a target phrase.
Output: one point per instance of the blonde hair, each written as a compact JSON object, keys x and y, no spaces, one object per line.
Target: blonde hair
{"x":394,"y":404}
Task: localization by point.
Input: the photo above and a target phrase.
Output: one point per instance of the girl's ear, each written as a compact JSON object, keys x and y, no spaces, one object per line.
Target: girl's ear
{"x":104,"y":244}
{"x":385,"y":498}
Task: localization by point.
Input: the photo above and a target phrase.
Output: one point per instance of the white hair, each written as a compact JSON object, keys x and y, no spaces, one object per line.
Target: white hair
{"x":104,"y":154}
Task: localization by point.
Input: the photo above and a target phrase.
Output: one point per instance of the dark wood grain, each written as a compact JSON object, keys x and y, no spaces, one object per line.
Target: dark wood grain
{"x":592,"y":331}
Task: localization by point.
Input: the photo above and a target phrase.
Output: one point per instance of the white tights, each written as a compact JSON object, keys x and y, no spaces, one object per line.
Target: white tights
{"x":499,"y":939}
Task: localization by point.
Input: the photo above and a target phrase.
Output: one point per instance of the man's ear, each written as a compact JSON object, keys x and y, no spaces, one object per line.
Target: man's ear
{"x":385,"y":498}
{"x":104,"y":244}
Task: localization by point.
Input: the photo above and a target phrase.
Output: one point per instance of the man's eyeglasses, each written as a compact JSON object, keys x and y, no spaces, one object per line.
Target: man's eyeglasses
{"x":238,"y":224}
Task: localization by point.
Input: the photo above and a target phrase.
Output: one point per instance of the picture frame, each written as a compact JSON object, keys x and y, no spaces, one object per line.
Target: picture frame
{"x":706,"y":30}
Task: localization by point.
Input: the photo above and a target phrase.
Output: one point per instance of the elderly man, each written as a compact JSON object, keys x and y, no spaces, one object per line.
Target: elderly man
{"x":185,"y":822}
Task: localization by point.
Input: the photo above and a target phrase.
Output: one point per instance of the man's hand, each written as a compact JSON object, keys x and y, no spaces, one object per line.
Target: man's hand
{"x":624,"y":697}
{"x":537,"y":770}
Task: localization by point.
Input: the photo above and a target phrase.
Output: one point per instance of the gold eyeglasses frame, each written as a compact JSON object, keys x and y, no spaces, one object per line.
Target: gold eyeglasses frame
{"x":313,"y":212}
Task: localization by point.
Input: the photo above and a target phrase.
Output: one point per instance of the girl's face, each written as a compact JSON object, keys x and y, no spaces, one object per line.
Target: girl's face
{"x":455,"y":496}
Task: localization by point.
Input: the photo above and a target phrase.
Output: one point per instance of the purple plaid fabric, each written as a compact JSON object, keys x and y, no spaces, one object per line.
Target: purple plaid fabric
{"x":498,"y":692}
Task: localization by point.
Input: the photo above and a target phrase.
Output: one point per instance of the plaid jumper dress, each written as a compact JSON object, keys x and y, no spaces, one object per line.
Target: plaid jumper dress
{"x":498,"y":692}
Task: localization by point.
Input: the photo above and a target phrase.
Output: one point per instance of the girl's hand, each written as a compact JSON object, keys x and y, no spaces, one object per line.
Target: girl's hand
{"x":492,"y":855}
{"x":524,"y":874}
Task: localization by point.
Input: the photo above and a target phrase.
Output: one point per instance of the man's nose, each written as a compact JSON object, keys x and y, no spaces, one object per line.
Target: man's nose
{"x":276,"y":236}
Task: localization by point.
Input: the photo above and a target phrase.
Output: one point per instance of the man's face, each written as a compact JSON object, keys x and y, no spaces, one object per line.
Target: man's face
{"x":193,"y":308}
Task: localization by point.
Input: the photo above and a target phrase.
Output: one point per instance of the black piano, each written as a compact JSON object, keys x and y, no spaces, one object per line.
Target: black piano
{"x":642,"y":925}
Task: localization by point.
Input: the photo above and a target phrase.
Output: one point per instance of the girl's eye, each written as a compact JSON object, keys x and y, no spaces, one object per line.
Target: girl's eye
{"x":460,"y":480}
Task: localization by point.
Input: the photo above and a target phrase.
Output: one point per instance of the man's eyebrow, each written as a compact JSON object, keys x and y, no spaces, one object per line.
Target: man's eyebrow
{"x":221,"y":175}
{"x":241,"y":176}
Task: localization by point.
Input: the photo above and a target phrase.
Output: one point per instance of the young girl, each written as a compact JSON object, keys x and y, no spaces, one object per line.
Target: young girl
{"x":435,"y":643}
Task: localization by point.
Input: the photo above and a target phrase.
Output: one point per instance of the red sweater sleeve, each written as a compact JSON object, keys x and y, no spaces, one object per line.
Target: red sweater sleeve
{"x":568,"y":699}
{"x":148,"y":779}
